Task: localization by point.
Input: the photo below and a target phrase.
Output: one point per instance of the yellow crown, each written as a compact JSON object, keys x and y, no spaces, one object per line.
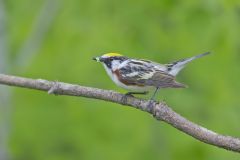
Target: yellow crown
{"x":112,"y":55}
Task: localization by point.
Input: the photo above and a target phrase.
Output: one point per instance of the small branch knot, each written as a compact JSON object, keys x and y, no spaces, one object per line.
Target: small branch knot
{"x":54,"y":88}
{"x":158,"y":110}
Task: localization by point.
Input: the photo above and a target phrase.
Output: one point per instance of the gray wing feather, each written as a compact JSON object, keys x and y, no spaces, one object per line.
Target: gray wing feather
{"x":162,"y":80}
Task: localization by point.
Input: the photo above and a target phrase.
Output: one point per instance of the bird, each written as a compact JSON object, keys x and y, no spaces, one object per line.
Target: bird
{"x":139,"y":76}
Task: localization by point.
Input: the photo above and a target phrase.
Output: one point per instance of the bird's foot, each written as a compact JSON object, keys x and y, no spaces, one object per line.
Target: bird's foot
{"x":151,"y":105}
{"x":125,"y":96}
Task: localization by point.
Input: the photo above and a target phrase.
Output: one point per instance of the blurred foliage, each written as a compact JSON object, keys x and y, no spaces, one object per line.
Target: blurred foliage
{"x":47,"y":127}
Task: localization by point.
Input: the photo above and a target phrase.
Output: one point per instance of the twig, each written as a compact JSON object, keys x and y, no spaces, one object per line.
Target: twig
{"x":5,"y":93}
{"x":161,"y":110}
{"x":41,"y":26}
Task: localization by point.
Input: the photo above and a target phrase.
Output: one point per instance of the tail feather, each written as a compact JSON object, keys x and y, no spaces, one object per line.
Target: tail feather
{"x":175,"y":67}
{"x":179,"y":85}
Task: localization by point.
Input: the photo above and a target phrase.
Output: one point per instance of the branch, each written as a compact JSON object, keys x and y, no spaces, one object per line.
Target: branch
{"x":161,"y":111}
{"x":5,"y":93}
{"x":3,"y":37}
{"x":41,"y":26}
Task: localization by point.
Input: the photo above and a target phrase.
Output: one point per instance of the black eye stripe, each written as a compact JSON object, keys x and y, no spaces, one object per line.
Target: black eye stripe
{"x":108,"y":60}
{"x":109,"y":64}
{"x":117,"y":58}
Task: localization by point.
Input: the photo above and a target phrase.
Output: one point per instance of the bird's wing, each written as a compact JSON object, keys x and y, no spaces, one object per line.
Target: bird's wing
{"x":134,"y":70}
{"x":163,"y":80}
{"x":145,"y":73}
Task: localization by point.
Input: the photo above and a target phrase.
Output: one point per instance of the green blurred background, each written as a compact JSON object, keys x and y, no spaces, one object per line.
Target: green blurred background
{"x":56,"y":39}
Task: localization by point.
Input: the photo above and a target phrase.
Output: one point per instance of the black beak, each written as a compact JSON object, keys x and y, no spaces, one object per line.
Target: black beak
{"x":94,"y":58}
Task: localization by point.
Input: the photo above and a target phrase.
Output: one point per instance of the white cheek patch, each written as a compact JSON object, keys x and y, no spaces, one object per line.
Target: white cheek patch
{"x":115,"y":65}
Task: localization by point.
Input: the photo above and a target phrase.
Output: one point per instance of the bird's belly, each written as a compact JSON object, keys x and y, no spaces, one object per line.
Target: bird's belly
{"x":135,"y":88}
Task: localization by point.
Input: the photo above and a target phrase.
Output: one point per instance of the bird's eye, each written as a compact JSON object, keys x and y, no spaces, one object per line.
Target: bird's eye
{"x":111,"y":58}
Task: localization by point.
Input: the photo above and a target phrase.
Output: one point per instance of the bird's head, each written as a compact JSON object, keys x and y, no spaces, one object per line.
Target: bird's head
{"x":111,"y":60}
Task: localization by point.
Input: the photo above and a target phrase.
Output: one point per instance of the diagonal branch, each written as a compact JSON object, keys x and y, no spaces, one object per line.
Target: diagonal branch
{"x":161,"y":110}
{"x":40,"y":28}
{"x":5,"y":93}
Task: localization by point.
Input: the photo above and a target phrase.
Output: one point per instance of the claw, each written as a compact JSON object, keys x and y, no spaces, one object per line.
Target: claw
{"x":125,"y":96}
{"x":150,"y":106}
{"x":129,"y":94}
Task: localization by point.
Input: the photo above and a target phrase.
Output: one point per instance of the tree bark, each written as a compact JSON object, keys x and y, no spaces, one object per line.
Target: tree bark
{"x":160,"y":110}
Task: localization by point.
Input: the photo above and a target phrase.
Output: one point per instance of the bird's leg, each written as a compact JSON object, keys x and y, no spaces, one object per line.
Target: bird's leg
{"x":154,"y":94}
{"x":124,"y":98}
{"x":152,"y":100}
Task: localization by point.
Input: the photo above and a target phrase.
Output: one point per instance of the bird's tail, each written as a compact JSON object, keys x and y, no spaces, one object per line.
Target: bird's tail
{"x":178,"y":85}
{"x":175,"y":67}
